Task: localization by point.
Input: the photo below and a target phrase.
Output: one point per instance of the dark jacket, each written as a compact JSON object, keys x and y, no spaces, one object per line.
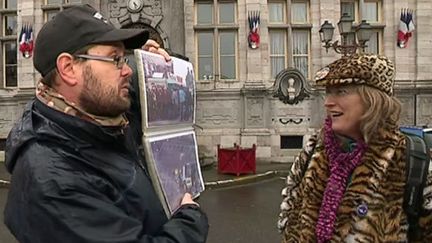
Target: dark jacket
{"x":74,"y":181}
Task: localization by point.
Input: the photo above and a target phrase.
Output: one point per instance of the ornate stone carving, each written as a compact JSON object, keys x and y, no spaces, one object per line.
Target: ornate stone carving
{"x":153,"y":7}
{"x":217,"y":113}
{"x":149,"y":18}
{"x":151,"y":11}
{"x":289,"y":86}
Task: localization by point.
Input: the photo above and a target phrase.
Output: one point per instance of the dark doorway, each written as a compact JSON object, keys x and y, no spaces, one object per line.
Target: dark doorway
{"x":154,"y":35}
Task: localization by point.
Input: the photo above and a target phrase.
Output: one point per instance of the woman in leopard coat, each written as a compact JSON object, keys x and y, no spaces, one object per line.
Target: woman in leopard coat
{"x":347,"y":185}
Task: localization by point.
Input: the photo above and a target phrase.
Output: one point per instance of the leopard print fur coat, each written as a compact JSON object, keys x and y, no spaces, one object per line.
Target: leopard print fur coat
{"x":377,"y":182}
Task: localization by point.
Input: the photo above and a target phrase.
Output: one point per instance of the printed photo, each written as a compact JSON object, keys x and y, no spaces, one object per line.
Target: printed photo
{"x":169,"y":90}
{"x":177,"y":166}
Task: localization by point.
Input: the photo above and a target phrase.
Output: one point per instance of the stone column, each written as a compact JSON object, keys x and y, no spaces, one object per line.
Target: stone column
{"x":256,"y":119}
{"x":254,"y":57}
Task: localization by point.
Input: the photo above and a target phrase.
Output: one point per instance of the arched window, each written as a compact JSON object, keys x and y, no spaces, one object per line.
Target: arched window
{"x":154,"y":34}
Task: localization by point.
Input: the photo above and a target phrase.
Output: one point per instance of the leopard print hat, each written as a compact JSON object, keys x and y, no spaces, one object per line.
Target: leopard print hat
{"x":370,"y":69}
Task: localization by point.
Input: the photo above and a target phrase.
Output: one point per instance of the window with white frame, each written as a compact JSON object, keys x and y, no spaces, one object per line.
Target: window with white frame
{"x":371,"y":12}
{"x":300,"y":51}
{"x":52,"y":7}
{"x":289,"y":33}
{"x":9,"y":43}
{"x":216,"y":39}
{"x":278,"y":53}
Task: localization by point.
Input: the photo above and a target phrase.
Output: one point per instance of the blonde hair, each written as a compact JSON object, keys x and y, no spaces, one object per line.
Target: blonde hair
{"x":381,"y":111}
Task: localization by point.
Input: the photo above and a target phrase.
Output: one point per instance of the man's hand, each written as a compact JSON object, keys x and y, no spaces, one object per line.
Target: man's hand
{"x":153,"y":46}
{"x":187,"y":199}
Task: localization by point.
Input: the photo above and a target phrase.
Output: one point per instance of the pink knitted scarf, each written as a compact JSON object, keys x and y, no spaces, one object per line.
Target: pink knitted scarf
{"x":341,"y":166}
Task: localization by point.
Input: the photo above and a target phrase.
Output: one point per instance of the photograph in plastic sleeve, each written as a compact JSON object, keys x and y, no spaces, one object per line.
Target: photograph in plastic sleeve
{"x":169,"y":90}
{"x":177,"y":167}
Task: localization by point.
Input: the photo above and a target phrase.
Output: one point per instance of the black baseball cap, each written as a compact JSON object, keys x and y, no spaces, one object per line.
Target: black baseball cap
{"x":75,"y":28}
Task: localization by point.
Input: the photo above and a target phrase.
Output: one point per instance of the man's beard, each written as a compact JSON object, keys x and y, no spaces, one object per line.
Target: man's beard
{"x":101,"y":100}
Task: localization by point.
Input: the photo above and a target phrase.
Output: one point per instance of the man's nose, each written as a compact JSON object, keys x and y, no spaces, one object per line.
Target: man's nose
{"x":126,"y":70}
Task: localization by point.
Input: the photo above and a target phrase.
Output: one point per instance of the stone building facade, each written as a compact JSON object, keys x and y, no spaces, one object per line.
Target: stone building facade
{"x":243,"y":92}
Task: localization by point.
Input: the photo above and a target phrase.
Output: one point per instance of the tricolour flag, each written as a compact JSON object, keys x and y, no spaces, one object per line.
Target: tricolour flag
{"x":26,"y":41}
{"x":406,"y":27}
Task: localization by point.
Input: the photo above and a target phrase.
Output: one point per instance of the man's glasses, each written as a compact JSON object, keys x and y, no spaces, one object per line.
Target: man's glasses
{"x":119,"y":61}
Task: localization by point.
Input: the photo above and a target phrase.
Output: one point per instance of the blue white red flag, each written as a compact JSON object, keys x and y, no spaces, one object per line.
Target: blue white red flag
{"x":254,"y":22}
{"x":406,"y":27}
{"x":26,"y":41}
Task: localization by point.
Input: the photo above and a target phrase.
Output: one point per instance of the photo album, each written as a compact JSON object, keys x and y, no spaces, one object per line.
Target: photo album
{"x":168,"y":101}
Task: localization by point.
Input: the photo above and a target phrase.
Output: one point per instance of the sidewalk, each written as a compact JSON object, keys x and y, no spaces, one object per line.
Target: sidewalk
{"x":212,"y":179}
{"x":264,"y":170}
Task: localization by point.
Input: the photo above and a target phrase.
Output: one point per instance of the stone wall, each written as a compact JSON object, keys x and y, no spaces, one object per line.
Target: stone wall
{"x":12,"y":104}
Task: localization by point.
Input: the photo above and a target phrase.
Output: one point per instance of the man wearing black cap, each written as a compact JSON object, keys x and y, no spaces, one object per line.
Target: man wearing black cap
{"x":75,"y":177}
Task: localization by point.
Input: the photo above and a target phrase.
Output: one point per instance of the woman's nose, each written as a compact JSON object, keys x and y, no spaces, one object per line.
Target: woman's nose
{"x":329,"y":100}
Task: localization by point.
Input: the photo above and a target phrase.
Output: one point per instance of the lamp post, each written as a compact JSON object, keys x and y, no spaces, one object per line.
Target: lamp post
{"x":349,"y":34}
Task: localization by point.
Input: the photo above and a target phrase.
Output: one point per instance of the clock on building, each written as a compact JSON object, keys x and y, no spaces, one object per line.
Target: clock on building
{"x":135,"y":5}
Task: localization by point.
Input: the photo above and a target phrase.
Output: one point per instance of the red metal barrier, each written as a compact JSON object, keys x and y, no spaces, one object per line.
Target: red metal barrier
{"x":236,"y":160}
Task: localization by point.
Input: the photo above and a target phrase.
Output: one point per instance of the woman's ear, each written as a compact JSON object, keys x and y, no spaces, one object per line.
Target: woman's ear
{"x":66,"y":68}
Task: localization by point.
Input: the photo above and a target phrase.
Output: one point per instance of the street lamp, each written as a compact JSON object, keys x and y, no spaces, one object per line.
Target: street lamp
{"x":348,"y":34}
{"x":345,"y":24}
